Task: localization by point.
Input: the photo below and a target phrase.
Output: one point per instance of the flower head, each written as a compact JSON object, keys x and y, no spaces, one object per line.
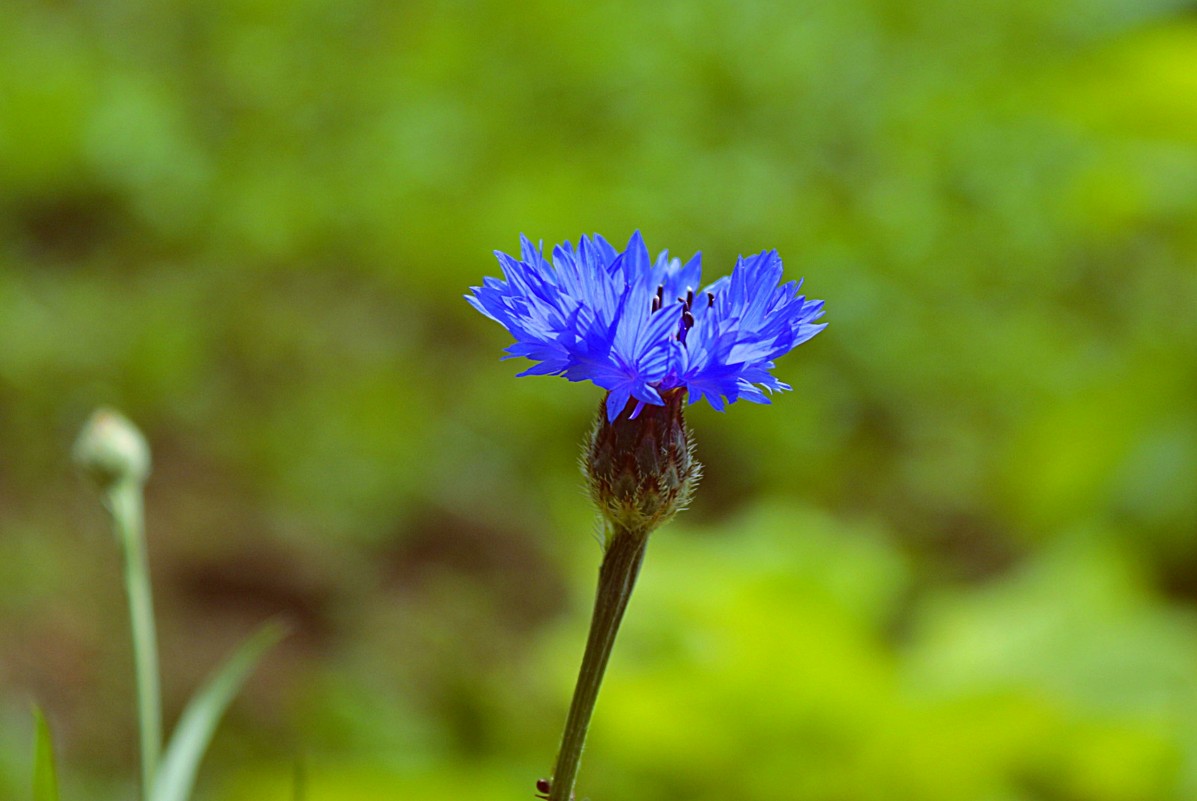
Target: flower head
{"x":639,"y":327}
{"x":111,"y":450}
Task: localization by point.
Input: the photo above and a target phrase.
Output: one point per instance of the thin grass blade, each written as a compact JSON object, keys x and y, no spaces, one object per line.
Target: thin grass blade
{"x":177,"y":771}
{"x":45,"y":774}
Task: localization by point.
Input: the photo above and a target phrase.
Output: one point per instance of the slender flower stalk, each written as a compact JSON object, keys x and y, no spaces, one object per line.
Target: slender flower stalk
{"x":617,"y":577}
{"x":126,"y":507}
{"x":115,"y":454}
{"x":647,"y":333}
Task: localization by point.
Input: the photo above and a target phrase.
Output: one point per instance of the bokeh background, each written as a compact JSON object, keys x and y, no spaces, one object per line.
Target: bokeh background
{"x":958,"y":563}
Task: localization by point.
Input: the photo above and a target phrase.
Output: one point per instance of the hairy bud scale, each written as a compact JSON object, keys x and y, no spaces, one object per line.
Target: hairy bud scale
{"x":641,"y":471}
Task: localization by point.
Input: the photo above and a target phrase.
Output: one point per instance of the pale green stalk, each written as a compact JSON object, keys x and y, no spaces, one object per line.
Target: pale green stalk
{"x":617,"y":577}
{"x":124,"y":502}
{"x":116,"y":456}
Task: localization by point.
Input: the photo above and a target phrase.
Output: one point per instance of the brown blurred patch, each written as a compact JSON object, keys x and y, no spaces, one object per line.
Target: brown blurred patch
{"x":257,"y":582}
{"x":973,"y":548}
{"x":525,"y":588}
{"x":54,"y":658}
{"x":1178,"y":575}
{"x":70,"y":225}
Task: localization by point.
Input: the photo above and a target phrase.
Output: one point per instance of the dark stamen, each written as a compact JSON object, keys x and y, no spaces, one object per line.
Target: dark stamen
{"x":687,"y":320}
{"x":659,"y":299}
{"x":710,"y":299}
{"x":689,"y":298}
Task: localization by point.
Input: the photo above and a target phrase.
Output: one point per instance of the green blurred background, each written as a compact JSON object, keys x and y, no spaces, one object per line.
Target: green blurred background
{"x":958,"y":563}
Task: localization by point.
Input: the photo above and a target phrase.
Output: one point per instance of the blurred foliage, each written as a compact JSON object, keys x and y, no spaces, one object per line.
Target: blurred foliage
{"x":957,"y":563}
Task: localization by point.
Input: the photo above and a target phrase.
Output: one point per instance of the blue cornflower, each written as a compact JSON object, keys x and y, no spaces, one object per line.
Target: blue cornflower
{"x":639,"y":328}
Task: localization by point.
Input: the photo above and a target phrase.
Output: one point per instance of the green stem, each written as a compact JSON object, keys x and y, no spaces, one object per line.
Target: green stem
{"x":617,"y":577}
{"x":125,"y":504}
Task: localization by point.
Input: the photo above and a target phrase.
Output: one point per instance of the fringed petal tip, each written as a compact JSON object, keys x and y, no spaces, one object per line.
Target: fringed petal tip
{"x":637,"y":326}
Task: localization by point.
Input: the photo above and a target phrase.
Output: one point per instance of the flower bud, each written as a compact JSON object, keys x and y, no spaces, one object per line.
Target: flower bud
{"x":641,"y":471}
{"x":111,"y":450}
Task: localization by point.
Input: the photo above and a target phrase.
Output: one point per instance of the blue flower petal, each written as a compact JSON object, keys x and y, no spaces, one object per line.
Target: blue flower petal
{"x":634,"y":326}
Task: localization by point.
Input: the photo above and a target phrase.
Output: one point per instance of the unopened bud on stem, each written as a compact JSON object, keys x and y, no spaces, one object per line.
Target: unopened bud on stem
{"x":111,"y":450}
{"x":642,"y":472}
